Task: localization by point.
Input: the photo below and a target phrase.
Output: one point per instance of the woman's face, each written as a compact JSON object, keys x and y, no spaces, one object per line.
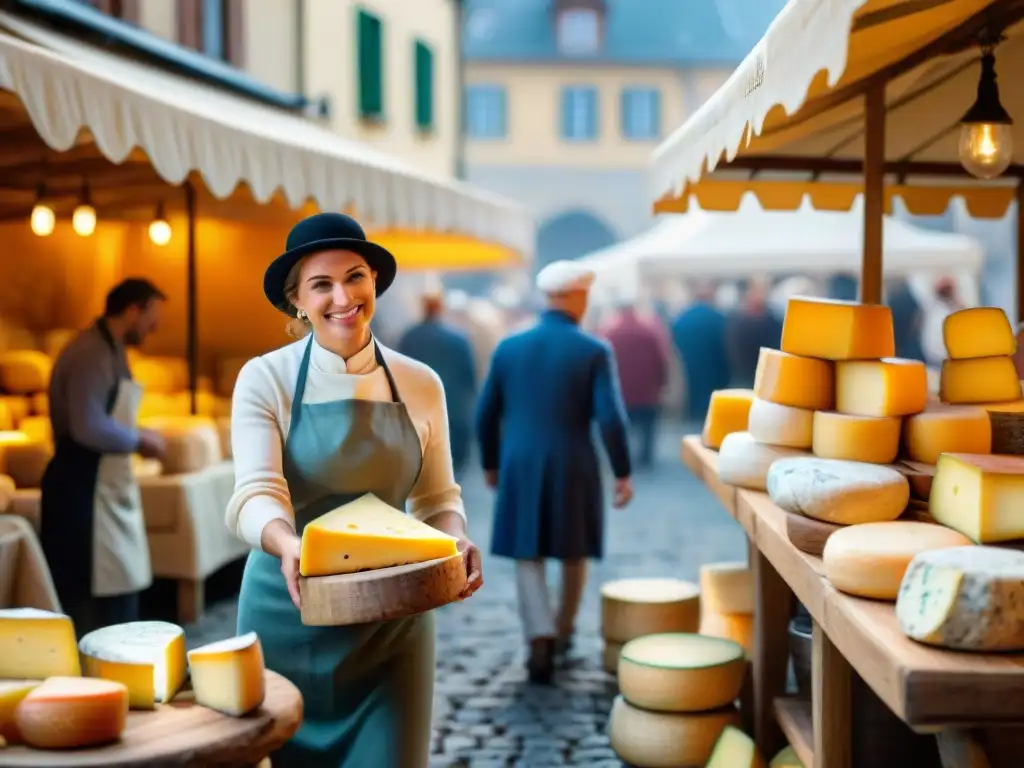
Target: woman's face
{"x":337,"y":291}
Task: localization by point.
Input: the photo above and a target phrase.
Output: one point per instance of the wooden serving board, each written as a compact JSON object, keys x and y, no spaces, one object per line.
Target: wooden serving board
{"x":182,"y":733}
{"x":808,"y":535}
{"x":383,"y":594}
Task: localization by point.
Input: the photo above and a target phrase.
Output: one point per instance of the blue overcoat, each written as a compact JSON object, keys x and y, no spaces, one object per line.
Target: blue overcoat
{"x":545,"y":389}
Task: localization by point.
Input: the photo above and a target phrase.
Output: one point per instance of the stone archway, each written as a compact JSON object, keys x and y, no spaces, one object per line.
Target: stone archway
{"x":571,"y":234}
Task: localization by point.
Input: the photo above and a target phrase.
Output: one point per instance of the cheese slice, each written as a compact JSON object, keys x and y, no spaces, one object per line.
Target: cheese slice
{"x":799,"y":382}
{"x":727,"y":413}
{"x":631,"y":608}
{"x":774,"y":424}
{"x":744,"y":462}
{"x":69,"y":712}
{"x":146,"y":656}
{"x":947,"y":429}
{"x":980,"y":496}
{"x":727,"y":588}
{"x":837,"y":330}
{"x":734,"y":749}
{"x":11,"y":694}
{"x":366,"y":534}
{"x":36,"y":644}
{"x":888,"y":387}
{"x":228,"y":675}
{"x":870,"y":439}
{"x":981,"y":380}
{"x":666,"y":739}
{"x":786,"y":758}
{"x":978,"y":332}
{"x":870,"y":560}
{"x":838,"y":492}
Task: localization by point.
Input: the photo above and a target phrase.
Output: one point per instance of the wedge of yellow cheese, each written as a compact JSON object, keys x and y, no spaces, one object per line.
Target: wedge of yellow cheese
{"x":837,"y":330}
{"x":734,"y":749}
{"x":37,"y":644}
{"x":366,"y":534}
{"x":978,"y":332}
{"x":727,"y":413}
{"x":229,"y":676}
{"x":979,"y":380}
{"x":980,"y":496}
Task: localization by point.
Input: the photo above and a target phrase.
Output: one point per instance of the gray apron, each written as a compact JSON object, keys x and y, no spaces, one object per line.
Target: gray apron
{"x":367,"y":689}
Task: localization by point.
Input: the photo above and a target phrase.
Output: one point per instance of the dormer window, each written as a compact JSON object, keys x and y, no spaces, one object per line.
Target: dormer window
{"x":579,"y":31}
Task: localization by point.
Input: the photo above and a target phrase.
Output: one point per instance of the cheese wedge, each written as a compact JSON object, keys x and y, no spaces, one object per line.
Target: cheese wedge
{"x":228,"y":675}
{"x":36,"y":644}
{"x":981,"y":380}
{"x":978,"y":332}
{"x":786,"y":758}
{"x":869,"y":439}
{"x":799,"y":382}
{"x":640,"y":737}
{"x":11,"y":694}
{"x":837,"y":330}
{"x":727,"y":413}
{"x":734,"y":749}
{"x":146,"y":656}
{"x":948,"y":429}
{"x":69,"y":712}
{"x":838,"y":492}
{"x":980,"y":496}
{"x":889,"y":387}
{"x":366,"y":534}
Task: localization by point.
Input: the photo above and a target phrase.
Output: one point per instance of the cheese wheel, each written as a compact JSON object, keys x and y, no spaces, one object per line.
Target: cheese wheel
{"x":193,"y":443}
{"x":868,"y":439}
{"x":981,"y":380}
{"x":18,"y":406}
{"x":53,"y":342}
{"x":837,"y":330}
{"x":228,"y":676}
{"x":37,"y":644}
{"x":665,"y":740}
{"x":681,"y":672}
{"x":734,"y":749}
{"x":610,"y":657}
{"x":726,"y":588}
{"x":37,"y":429}
{"x":786,"y":758}
{"x":870,"y":560}
{"x":25,"y":371}
{"x":146,"y":656}
{"x":632,"y":608}
{"x":744,"y":462}
{"x":948,"y":429}
{"x":774,"y":424}
{"x":888,"y":387}
{"x":159,"y":375}
{"x":738,"y":627}
{"x":980,"y":496}
{"x":964,"y":598}
{"x":26,"y":462}
{"x":11,"y":694}
{"x":838,"y":492}
{"x":800,"y":382}
{"x":727,"y":413}
{"x":69,"y":712}
{"x":978,"y":332}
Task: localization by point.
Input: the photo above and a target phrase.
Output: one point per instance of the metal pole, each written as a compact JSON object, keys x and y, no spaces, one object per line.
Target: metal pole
{"x":460,"y":95}
{"x":191,"y":323}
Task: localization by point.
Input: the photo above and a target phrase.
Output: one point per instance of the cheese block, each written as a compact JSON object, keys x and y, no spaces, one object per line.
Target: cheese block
{"x":786,"y":758}
{"x":663,"y":739}
{"x":837,"y":330}
{"x":774,"y":424}
{"x":681,"y":672}
{"x":800,"y":382}
{"x":26,"y":462}
{"x":69,"y":712}
{"x":146,"y":656}
{"x":727,"y":413}
{"x":948,"y":429}
{"x":959,"y":749}
{"x":228,"y":676}
{"x":981,"y":380}
{"x":889,"y":387}
{"x":980,"y":496}
{"x":744,"y":462}
{"x":193,"y":443}
{"x":726,"y":588}
{"x":18,"y":406}
{"x":632,"y":608}
{"x":36,"y":644}
{"x":11,"y":694}
{"x":838,"y":492}
{"x":965,"y":598}
{"x":37,"y":429}
{"x":610,"y":656}
{"x":24,"y":371}
{"x":870,"y":439}
{"x":738,"y":627}
{"x":870,"y":560}
{"x":366,"y":534}
{"x":978,"y":332}
{"x":734,"y":749}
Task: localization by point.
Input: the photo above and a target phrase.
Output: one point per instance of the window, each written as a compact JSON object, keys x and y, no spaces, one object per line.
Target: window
{"x":126,"y":10}
{"x":486,"y":112}
{"x":214,"y":42}
{"x":424,"y":62}
{"x":579,"y":32}
{"x":641,"y":114}
{"x":371,"y":66}
{"x":579,"y":113}
{"x":213,"y":27}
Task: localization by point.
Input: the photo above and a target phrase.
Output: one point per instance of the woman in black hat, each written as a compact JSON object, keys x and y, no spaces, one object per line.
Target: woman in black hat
{"x":314,"y":424}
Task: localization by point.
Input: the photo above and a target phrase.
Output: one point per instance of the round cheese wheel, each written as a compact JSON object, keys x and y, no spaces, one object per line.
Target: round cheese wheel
{"x":25,"y":371}
{"x":726,"y":588}
{"x":37,"y":428}
{"x":26,"y":462}
{"x":635,"y":607}
{"x":744,"y":462}
{"x":738,"y":627}
{"x":665,"y":740}
{"x":839,"y":492}
{"x":610,"y":657}
{"x":871,"y":439}
{"x":946,"y":429}
{"x":68,"y":712}
{"x":775,"y":424}
{"x":193,"y":443}
{"x":870,"y":560}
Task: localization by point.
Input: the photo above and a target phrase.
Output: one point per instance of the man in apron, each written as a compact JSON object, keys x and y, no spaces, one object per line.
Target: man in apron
{"x":92,"y":529}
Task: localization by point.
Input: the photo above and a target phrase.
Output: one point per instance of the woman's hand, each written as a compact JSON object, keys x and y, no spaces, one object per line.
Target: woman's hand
{"x":454,"y":524}
{"x":279,"y":539}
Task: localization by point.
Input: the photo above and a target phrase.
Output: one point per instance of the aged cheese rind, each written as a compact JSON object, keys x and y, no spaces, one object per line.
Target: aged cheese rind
{"x":978,"y":332}
{"x":980,"y":496}
{"x":37,"y":644}
{"x":727,"y":413}
{"x":837,"y":330}
{"x":783,"y":425}
{"x":665,"y":739}
{"x":866,"y":439}
{"x":11,"y":694}
{"x":229,"y":676}
{"x":889,"y":387}
{"x":948,"y":429}
{"x":800,"y":382}
{"x":69,"y":712}
{"x":631,"y":608}
{"x":744,"y":462}
{"x":979,"y":380}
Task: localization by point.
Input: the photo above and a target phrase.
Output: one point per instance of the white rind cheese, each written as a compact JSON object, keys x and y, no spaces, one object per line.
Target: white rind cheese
{"x":774,"y":424}
{"x":146,"y":656}
{"x":744,"y":462}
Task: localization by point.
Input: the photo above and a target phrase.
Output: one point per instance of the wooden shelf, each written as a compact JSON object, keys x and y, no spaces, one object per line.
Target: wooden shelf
{"x":794,"y":716}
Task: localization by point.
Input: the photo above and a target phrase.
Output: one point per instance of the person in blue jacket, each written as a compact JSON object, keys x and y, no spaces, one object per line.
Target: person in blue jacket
{"x":545,"y":389}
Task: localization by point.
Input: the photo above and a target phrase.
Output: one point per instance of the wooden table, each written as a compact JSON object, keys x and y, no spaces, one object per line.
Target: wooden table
{"x":929,"y":689}
{"x":183,"y":733}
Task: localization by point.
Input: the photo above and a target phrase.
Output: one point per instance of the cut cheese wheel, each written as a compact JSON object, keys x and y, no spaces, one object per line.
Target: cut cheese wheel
{"x":738,"y":627}
{"x":146,"y":656}
{"x":69,"y":712}
{"x":889,"y":387}
{"x":665,"y":740}
{"x":11,"y":694}
{"x":681,"y":672}
{"x":726,"y":588}
{"x":25,"y":371}
{"x":632,"y":608}
{"x":980,"y":496}
{"x":366,"y":534}
{"x":949,"y":429}
{"x":727,"y":413}
{"x":965,"y":598}
{"x":610,"y":657}
{"x":786,"y":758}
{"x":734,"y":749}
{"x":774,"y":424}
{"x":744,"y":462}
{"x":870,"y":560}
{"x":981,"y":380}
{"x":868,"y":439}
{"x":800,"y":382}
{"x":837,"y":330}
{"x":193,"y":443}
{"x":228,"y":676}
{"x":978,"y":332}
{"x":36,"y":644}
{"x":838,"y":492}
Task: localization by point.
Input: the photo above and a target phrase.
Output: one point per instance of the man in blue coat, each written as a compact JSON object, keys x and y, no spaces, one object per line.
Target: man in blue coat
{"x":545,"y":389}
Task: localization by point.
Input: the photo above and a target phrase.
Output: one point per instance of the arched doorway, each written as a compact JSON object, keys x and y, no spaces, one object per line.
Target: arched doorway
{"x":570,"y":235}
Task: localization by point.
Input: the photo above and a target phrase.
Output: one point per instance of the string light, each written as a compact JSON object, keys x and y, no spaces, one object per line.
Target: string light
{"x":83,"y":220}
{"x":43,"y":220}
{"x":159,"y":229}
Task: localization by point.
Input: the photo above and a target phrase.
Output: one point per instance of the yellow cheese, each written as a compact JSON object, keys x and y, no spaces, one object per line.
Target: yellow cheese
{"x":738,"y":627}
{"x":734,"y":749}
{"x":726,"y":588}
{"x":727,"y":413}
{"x":366,"y":534}
{"x":782,"y":425}
{"x":147,"y":656}
{"x":53,"y":342}
{"x":1014,"y":406}
{"x":838,"y":330}
{"x":870,"y":439}
{"x":40,"y":404}
{"x":980,"y":496}
{"x":889,"y":387}
{"x":665,"y":739}
{"x":193,"y":442}
{"x":632,"y":608}
{"x":159,"y":375}
{"x":870,"y":560}
{"x":25,"y":371}
{"x":978,"y":332}
{"x":228,"y":675}
{"x":37,"y":429}
{"x":11,"y":694}
{"x":26,"y":462}
{"x":786,"y":758}
{"x":69,"y":712}
{"x":144,"y":468}
{"x":949,"y":429}
{"x":799,"y":382}
{"x":18,"y":406}
{"x":37,"y":644}
{"x":610,"y":656}
{"x":981,"y":380}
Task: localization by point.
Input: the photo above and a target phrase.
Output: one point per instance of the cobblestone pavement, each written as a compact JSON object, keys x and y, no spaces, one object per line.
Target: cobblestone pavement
{"x":485,"y":713}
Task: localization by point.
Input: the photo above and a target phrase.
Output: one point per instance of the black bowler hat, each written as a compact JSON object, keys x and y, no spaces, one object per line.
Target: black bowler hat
{"x":325,"y":232}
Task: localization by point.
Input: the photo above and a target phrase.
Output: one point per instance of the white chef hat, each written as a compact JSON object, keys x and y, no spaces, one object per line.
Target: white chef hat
{"x":565,"y":276}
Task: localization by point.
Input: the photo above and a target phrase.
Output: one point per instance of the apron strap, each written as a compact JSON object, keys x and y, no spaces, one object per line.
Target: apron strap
{"x":387,"y":372}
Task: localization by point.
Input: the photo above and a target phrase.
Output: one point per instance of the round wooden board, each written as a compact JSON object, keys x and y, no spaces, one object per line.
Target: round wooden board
{"x":809,"y":535}
{"x":182,"y":733}
{"x":383,"y":594}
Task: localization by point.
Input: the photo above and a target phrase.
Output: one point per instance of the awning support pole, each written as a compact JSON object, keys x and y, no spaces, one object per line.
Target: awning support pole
{"x":1020,"y":250}
{"x":874,"y":194}
{"x":191,"y":325}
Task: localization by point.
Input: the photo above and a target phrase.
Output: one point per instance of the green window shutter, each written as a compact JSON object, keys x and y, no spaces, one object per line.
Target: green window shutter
{"x":371,"y":66}
{"x":424,"y":86}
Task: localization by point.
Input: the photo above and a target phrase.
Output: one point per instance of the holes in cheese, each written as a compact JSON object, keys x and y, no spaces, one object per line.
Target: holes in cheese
{"x":24,"y":371}
{"x":950,"y":429}
{"x":978,"y":332}
{"x":366,"y":534}
{"x":228,"y":675}
{"x":734,"y":749}
{"x":838,"y":492}
{"x":837,"y":330}
{"x":786,"y":758}
{"x":726,"y":588}
{"x":870,"y":560}
{"x":11,"y":694}
{"x":640,"y":737}
{"x":727,"y":413}
{"x":890,"y":387}
{"x":774,"y":424}
{"x":146,"y":656}
{"x":870,"y":439}
{"x":744,"y":462}
{"x":68,"y":712}
{"x":738,"y":627}
{"x":36,"y":644}
{"x":980,"y":496}
{"x":980,"y":380}
{"x":632,"y":608}
{"x":800,"y":382}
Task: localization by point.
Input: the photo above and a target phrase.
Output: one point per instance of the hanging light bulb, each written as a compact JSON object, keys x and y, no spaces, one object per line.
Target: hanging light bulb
{"x":43,"y":219}
{"x":83,"y":220}
{"x":986,"y":130}
{"x":159,"y":229}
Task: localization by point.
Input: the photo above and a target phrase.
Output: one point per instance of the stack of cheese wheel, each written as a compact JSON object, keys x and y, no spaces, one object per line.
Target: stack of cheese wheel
{"x":632,"y":608}
{"x":678,"y":694}
{"x":727,"y":603}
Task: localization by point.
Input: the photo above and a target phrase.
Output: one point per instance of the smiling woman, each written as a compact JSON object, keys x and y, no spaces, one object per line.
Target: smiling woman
{"x":333,"y":293}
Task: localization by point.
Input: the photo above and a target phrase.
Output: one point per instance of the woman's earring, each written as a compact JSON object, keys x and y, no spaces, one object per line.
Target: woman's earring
{"x":300,"y":314}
